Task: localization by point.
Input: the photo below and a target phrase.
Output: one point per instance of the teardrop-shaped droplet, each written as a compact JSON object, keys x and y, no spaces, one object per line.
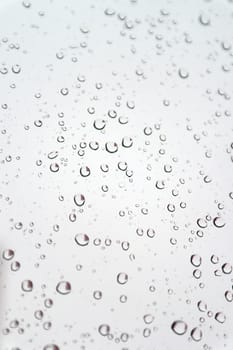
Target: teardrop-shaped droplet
{"x":220,"y":317}
{"x":202,"y":306}
{"x":196,"y":334}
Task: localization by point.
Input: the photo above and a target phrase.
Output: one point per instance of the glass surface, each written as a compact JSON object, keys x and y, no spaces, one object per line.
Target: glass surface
{"x":116,"y":181}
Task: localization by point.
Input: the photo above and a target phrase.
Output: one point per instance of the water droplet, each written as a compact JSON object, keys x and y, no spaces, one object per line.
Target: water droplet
{"x":197,"y":273}
{"x":195,"y":260}
{"x":47,"y":325}
{"x":160,"y":185}
{"x":51,"y":347}
{"x":220,"y":317}
{"x":39,"y":314}
{"x":99,"y":124}
{"x":54,"y":167}
{"x":97,"y":294}
{"x":26,"y":4}
{"x":18,"y":225}
{"x":8,"y":254}
{"x":63,"y":287}
{"x":204,"y":19}
{"x":148,"y":318}
{"x":171,"y":208}
{"x":150,"y":232}
{"x":202,"y":223}
{"x":227,"y":268}
{"x":196,"y":334}
{"x":214,"y":259}
{"x":109,"y":12}
{"x":122,"y":278}
{"x":179,"y":327}
{"x":85,"y":171}
{"x":111,"y":147}
{"x":104,"y":329}
{"x":27,"y":286}
{"x":183,"y":73}
{"x":122,"y":166}
{"x":79,"y":199}
{"x":127,"y":142}
{"x":218,"y":222}
{"x":146,"y":332}
{"x":15,"y":266}
{"x":112,"y":113}
{"x":229,"y":296}
{"x":130,"y":104}
{"x":16,"y":68}
{"x":147,"y":131}
{"x":48,"y":303}
{"x":82,"y":239}
{"x":202,"y":306}
{"x":64,"y":91}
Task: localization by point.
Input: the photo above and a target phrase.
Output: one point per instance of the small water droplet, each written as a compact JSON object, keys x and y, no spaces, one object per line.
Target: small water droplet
{"x":195,"y":260}
{"x":179,"y":327}
{"x":218,"y":222}
{"x":111,"y":147}
{"x":122,"y":278}
{"x":79,"y":199}
{"x":27,"y":286}
{"x":229,"y":296}
{"x":227,"y":268}
{"x":8,"y":254}
{"x":82,"y":239}
{"x":183,"y":73}
{"x":104,"y":329}
{"x":63,"y":287}
{"x":220,"y":317}
{"x":196,"y":334}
